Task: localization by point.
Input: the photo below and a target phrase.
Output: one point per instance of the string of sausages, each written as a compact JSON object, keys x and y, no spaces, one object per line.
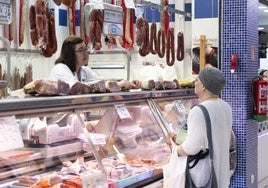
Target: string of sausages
{"x":49,"y":43}
{"x":159,"y":44}
{"x":149,"y":40}
{"x":42,"y":28}
{"x":95,"y":28}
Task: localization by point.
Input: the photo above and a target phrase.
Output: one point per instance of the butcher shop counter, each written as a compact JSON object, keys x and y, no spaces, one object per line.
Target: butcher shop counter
{"x":117,"y":139}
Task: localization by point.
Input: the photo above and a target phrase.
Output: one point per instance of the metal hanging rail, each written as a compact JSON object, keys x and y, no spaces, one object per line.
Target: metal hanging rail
{"x":21,"y":50}
{"x":162,"y":8}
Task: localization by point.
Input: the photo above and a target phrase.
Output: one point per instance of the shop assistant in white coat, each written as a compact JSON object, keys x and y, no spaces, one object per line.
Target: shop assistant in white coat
{"x":71,"y":64}
{"x":208,"y":85}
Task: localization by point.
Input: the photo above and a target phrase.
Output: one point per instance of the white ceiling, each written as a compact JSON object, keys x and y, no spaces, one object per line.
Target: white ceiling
{"x":263,"y":17}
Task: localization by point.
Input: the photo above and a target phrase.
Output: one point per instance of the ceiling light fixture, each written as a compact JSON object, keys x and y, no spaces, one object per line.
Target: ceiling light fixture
{"x":261,"y":7}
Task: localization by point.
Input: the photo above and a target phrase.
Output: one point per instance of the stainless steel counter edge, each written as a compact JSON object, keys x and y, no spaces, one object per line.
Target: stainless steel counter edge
{"x":9,"y":106}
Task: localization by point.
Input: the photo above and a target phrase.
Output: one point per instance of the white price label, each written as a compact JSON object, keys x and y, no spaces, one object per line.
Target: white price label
{"x":3,"y":9}
{"x":5,"y":12}
{"x":180,"y":106}
{"x":113,"y":16}
{"x":156,"y":1}
{"x":130,"y":4}
{"x":122,"y":111}
{"x":98,"y":4}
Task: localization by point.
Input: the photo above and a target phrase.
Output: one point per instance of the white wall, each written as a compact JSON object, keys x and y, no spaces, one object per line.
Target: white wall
{"x":262,"y":151}
{"x":264,"y":62}
{"x":205,"y":26}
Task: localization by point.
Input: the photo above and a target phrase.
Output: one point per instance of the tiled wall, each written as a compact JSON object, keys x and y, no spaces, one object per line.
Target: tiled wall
{"x":239,"y":35}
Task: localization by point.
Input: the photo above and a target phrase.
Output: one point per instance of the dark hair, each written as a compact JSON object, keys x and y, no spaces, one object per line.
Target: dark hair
{"x":67,"y":54}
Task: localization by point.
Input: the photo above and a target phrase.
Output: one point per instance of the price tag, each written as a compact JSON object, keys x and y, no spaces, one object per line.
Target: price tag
{"x":5,"y":12}
{"x":156,"y":1}
{"x":112,"y":16}
{"x":10,"y":137}
{"x":130,"y":4}
{"x":122,"y":111}
{"x":98,"y":4}
{"x":180,"y":106}
{"x":112,"y":20}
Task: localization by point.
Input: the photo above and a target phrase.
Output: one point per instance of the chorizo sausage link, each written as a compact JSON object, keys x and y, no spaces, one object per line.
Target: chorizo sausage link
{"x":95,"y":27}
{"x":161,"y":37}
{"x":32,"y":16}
{"x":52,"y":31}
{"x":153,"y":39}
{"x":140,"y":32}
{"x":180,"y":46}
{"x":97,"y":43}
{"x":170,"y":47}
{"x":145,"y":48}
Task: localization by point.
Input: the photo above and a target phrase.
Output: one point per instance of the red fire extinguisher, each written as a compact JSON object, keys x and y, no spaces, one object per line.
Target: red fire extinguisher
{"x":260,"y":96}
{"x":234,"y":62}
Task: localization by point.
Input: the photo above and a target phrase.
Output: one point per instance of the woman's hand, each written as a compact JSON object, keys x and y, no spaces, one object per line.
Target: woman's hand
{"x":171,"y":137}
{"x":90,"y":127}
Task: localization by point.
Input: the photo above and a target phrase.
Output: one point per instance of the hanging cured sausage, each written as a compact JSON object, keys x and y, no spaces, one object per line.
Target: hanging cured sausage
{"x":42,"y":28}
{"x":128,"y":22}
{"x":153,"y":39}
{"x":23,"y":5}
{"x":95,"y":28}
{"x":82,"y":19}
{"x":33,"y":29}
{"x":170,"y":52}
{"x":161,"y":45}
{"x":143,"y":39}
{"x":11,"y":26}
{"x":180,"y":46}
{"x":71,"y":21}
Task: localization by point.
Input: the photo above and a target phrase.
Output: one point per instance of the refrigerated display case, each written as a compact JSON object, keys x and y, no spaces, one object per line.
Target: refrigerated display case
{"x":174,"y":109}
{"x":109,"y":140}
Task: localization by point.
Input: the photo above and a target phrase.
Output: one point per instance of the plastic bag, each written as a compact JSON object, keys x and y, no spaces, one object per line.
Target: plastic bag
{"x":174,"y":171}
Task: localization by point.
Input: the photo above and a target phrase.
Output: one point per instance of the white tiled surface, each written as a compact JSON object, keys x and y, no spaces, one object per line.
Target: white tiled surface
{"x":263,"y":153}
{"x":263,"y":183}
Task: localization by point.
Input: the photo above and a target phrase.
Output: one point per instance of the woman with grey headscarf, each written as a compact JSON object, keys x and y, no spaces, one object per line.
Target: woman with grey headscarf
{"x":208,"y":86}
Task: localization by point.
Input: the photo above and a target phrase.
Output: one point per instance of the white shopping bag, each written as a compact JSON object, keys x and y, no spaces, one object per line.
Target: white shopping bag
{"x":174,"y":171}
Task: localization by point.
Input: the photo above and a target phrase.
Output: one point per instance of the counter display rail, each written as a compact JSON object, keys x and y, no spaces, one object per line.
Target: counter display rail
{"x":112,"y":139}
